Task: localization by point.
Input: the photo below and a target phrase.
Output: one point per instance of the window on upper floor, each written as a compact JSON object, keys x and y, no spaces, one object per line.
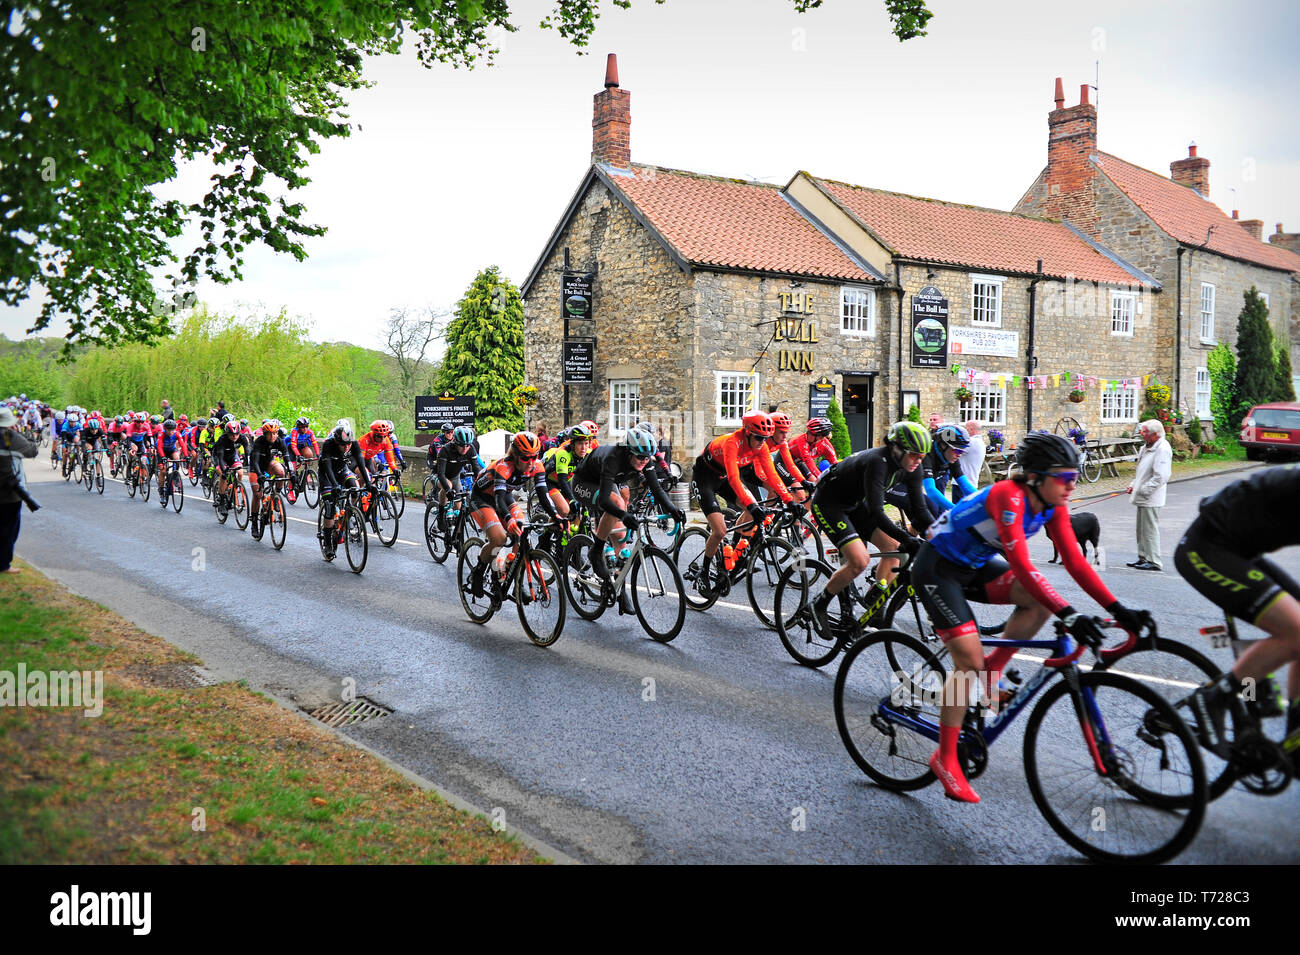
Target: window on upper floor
{"x":1207,"y":312}
{"x":1122,"y":307}
{"x":986,"y":300}
{"x":857,"y":310}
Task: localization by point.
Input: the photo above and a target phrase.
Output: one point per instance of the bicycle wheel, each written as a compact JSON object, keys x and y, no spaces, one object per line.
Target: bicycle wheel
{"x":99,"y":477}
{"x":192,"y":471}
{"x":873,"y":699}
{"x":539,"y":597}
{"x":241,"y":505}
{"x":146,"y":485}
{"x":1091,"y":470}
{"x":355,"y":541}
{"x":478,"y":609}
{"x":763,"y":573}
{"x":799,"y":585}
{"x":129,"y":480}
{"x":585,"y":589}
{"x":435,"y":540}
{"x":310,"y":489}
{"x":385,"y":518}
{"x":177,"y":491}
{"x":689,"y":557}
{"x":396,"y":493}
{"x":1121,"y":781}
{"x":661,"y":532}
{"x":658,"y":594}
{"x":324,"y":536}
{"x":1174,"y":670}
{"x":279,"y":522}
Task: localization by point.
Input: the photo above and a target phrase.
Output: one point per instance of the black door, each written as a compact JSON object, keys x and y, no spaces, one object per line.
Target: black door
{"x":858,"y":411}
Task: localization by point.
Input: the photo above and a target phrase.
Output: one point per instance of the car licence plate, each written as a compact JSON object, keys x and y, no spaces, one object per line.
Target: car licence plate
{"x":1275,"y":435}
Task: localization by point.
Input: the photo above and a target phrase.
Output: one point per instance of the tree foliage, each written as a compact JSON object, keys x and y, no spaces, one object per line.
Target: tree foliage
{"x":1222,"y":367}
{"x":485,"y":350}
{"x":1283,"y":382}
{"x":1256,"y":364}
{"x":840,"y":439}
{"x":103,"y":100}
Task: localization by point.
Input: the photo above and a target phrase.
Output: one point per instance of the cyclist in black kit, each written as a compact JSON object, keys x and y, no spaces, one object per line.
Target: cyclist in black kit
{"x":849,"y":507}
{"x":341,"y":465}
{"x":1219,"y":556}
{"x":455,"y":455}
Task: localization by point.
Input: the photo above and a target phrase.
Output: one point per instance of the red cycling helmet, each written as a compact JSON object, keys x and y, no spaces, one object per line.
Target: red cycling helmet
{"x":759,"y":423}
{"x":781,"y":421}
{"x":526,"y":445}
{"x":819,"y":426}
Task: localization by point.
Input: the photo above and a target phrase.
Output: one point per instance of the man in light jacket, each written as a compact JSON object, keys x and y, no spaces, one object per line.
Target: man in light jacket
{"x":972,"y":461}
{"x":1147,"y":492}
{"x":13,"y":448}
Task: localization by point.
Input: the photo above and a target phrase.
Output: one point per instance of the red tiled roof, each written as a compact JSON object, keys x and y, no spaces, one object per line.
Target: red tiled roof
{"x":1184,"y":215}
{"x":972,"y":237}
{"x":733,"y":224}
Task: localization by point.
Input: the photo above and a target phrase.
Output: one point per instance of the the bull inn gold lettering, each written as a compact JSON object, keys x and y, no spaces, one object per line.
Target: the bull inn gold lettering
{"x":796,"y":330}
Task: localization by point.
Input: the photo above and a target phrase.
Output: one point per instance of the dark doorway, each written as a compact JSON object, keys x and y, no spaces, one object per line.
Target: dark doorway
{"x":858,"y":415}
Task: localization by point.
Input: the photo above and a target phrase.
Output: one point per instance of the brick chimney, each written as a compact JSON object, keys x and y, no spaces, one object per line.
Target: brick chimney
{"x":611,"y":121}
{"x":1071,"y":142}
{"x":1194,"y":171}
{"x":1255,"y":227}
{"x":1287,"y":240}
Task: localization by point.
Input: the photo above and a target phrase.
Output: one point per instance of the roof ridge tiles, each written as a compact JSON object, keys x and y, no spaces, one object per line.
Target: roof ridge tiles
{"x":930,"y":199}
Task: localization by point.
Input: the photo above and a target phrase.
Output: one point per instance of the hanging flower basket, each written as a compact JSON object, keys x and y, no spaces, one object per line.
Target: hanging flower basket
{"x":964,"y":394}
{"x":1077,"y":395}
{"x":525,"y":396}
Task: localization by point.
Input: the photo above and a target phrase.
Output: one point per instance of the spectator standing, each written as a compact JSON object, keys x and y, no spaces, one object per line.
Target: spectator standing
{"x":972,"y":461}
{"x":13,"y":448}
{"x":1147,"y":492}
{"x":665,"y":445}
{"x":167,"y":413}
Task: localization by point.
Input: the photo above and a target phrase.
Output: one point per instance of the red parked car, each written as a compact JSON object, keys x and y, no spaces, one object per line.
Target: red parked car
{"x":1272,"y":429}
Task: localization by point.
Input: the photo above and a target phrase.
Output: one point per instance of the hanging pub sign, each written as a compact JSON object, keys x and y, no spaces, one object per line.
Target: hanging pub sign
{"x":579,"y":360}
{"x":432,"y":410}
{"x":575,"y":296}
{"x":820,"y":394}
{"x":929,"y":329}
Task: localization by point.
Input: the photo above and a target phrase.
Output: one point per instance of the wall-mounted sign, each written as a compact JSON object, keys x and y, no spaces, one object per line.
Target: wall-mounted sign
{"x":579,"y":361}
{"x":799,"y":302}
{"x":929,"y":329}
{"x":576,"y":297}
{"x":432,"y":410}
{"x":985,"y":341}
{"x":787,"y":359}
{"x":796,"y":330}
{"x":820,"y":393}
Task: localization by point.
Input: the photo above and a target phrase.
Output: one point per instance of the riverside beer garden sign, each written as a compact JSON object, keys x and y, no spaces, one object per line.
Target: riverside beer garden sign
{"x":794,"y":328}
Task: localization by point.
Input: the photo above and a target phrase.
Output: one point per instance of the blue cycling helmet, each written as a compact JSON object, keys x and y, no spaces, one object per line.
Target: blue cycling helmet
{"x":952,"y":436}
{"x":463,"y":436}
{"x":639,"y":442}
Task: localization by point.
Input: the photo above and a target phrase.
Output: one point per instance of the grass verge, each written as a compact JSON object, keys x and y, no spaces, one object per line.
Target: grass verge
{"x":217,"y":774}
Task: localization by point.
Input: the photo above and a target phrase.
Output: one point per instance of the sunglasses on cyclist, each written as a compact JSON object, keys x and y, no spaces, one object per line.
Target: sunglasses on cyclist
{"x":641,"y":457}
{"x":1065,"y":477}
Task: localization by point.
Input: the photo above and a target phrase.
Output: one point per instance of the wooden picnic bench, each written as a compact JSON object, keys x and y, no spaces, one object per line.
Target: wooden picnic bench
{"x":1104,"y":453}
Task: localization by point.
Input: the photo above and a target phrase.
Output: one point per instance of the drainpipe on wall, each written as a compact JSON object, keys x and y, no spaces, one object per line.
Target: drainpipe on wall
{"x":1033,"y":361}
{"x":1178,"y":329}
{"x":898,"y":287}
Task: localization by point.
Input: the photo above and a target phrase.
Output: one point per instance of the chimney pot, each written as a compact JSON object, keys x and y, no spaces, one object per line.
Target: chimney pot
{"x":1060,"y":94}
{"x":1083,"y":94}
{"x":1279,"y":228}
{"x":1234,"y":213}
{"x":611,"y":71}
{"x":1191,"y":150}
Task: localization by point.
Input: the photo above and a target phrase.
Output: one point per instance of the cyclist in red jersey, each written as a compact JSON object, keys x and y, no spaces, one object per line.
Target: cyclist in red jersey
{"x":376,"y":442}
{"x":717,"y":471}
{"x":815,"y":442}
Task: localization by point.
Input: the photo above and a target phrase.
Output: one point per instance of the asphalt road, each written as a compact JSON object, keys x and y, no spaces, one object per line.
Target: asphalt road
{"x":712,"y":766}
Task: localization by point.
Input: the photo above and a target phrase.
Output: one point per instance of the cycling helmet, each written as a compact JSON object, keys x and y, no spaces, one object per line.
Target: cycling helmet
{"x":343,"y":431}
{"x":582,"y":431}
{"x":640,"y":443}
{"x":243,"y":422}
{"x":781,"y":421}
{"x":200,"y":423}
{"x":591,"y":427}
{"x":92,"y":425}
{"x":819,"y":427}
{"x":233,"y":429}
{"x":184,"y":419}
{"x":526,"y":445}
{"x":909,"y":436}
{"x":156,"y":419}
{"x":380,"y":429}
{"x":444,"y":427}
{"x":301,"y":424}
{"x":118,"y":419}
{"x":951,"y":436}
{"x":272,"y":426}
{"x":645,"y":426}
{"x":463,"y":436}
{"x":169,"y":425}
{"x":1041,"y":452}
{"x":759,"y":423}
{"x":564,"y":434}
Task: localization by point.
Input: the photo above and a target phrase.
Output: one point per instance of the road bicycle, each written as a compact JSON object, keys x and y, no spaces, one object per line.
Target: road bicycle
{"x":138,"y":476}
{"x":93,"y":471}
{"x":54,"y":454}
{"x":441,"y":543}
{"x":69,"y":463}
{"x":173,"y":486}
{"x":658,"y":595}
{"x":305,"y":483}
{"x":524,"y":573}
{"x":270,"y":515}
{"x":390,"y":481}
{"x":760,"y":561}
{"x":1111,"y":766}
{"x":343,"y":503}
{"x":381,"y":513}
{"x":233,"y":498}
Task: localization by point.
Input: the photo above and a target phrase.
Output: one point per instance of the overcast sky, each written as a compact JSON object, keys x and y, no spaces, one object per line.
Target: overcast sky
{"x":451,"y":171}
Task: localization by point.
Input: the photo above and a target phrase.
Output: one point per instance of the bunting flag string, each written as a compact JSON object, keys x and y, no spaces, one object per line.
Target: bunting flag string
{"x":1069,"y":379}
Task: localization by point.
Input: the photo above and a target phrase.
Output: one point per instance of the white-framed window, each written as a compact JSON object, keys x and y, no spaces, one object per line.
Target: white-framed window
{"x":1207,"y":312}
{"x":857,"y":310}
{"x":986,"y":300}
{"x":736,"y":393}
{"x":1119,"y":404}
{"x":624,"y":404}
{"x":1122,"y":307}
{"x":1203,"y":393}
{"x":989,"y":404}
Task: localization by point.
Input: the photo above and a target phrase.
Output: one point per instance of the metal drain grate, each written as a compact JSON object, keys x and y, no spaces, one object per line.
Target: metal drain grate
{"x":178,"y":675}
{"x":354,"y":711}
